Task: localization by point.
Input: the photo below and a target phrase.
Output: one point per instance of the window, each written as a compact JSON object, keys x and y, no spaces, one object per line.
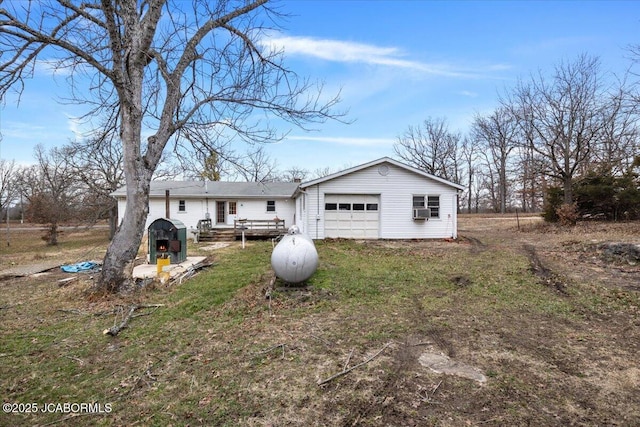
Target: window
{"x":232,"y":208}
{"x":344,"y":206}
{"x":358,"y":206}
{"x":372,"y":206}
{"x":330,"y":206}
{"x":433,"y":203}
{"x":271,"y":205}
{"x":429,"y":202}
{"x":182,"y":205}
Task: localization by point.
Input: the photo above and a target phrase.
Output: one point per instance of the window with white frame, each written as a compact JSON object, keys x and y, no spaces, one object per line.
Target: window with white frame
{"x":429,"y":202}
{"x":233,"y":208}
{"x":418,"y":202}
{"x":182,"y":205}
{"x":271,"y":205}
{"x":433,"y":203}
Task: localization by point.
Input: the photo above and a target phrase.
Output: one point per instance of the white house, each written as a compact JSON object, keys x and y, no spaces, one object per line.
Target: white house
{"x":222,"y":202}
{"x":382,"y":199}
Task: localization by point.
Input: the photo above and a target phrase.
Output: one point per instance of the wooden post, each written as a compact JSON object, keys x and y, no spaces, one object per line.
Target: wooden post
{"x":167,"y":209}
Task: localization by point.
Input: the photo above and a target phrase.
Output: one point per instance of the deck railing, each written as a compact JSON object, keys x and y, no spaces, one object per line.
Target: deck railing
{"x":258,"y":227}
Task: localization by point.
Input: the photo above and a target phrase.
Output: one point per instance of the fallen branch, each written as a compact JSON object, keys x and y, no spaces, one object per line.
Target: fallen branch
{"x":346,"y":371}
{"x":422,"y":343}
{"x":67,"y":281}
{"x":270,"y":289}
{"x":273,"y":348}
{"x":85,"y":313}
{"x":346,"y":364}
{"x":77,"y":359}
{"x":115,"y":329}
{"x":428,"y":398}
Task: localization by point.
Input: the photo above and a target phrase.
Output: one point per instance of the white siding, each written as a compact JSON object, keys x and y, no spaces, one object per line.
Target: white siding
{"x":396,"y":190}
{"x":197,"y":209}
{"x":257,"y":209}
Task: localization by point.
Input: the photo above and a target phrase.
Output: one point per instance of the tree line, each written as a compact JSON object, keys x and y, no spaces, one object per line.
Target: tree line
{"x":563,"y":139}
{"x":565,"y":143}
{"x":72,"y":184}
{"x":553,"y":141}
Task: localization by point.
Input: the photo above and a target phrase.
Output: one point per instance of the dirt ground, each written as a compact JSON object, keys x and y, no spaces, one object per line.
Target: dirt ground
{"x":437,"y":358}
{"x":580,"y":368}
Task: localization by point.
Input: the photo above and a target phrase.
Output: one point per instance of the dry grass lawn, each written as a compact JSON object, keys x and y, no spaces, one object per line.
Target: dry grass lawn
{"x":543,"y":314}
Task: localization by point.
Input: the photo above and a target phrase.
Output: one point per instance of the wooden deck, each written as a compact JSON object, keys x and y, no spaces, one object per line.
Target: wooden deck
{"x":259,"y":228}
{"x":253,"y":228}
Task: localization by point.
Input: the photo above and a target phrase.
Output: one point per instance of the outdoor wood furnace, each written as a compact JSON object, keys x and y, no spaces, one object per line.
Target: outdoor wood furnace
{"x":167,"y":238}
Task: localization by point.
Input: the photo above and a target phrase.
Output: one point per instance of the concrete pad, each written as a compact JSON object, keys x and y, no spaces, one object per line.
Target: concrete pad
{"x":145,"y":271}
{"x":30,"y":269}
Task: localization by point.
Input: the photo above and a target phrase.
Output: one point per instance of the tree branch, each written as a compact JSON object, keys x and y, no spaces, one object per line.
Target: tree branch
{"x":115,"y":330}
{"x":346,"y":371}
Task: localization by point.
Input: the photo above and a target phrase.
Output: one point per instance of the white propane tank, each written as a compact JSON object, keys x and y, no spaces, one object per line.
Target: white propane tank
{"x":294,"y":259}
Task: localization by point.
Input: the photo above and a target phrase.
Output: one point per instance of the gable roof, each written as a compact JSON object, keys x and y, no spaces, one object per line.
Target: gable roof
{"x":378,"y":162}
{"x":218,"y":189}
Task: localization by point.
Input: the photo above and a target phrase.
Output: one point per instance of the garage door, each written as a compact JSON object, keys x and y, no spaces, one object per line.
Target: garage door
{"x":351,"y":216}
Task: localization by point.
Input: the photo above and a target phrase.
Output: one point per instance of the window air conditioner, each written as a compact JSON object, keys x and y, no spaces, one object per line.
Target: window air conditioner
{"x":421,"y":213}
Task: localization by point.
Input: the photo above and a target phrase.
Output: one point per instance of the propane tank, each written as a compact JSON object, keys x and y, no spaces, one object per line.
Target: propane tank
{"x":294,"y":259}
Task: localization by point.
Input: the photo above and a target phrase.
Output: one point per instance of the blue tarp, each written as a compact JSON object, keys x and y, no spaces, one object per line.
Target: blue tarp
{"x":81,"y":266}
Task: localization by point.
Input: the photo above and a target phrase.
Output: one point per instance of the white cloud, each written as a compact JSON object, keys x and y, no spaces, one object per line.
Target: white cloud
{"x":75,"y":126}
{"x":51,"y":67}
{"x":468,"y":93}
{"x":24,"y":131}
{"x":360,"y":142}
{"x":345,"y":51}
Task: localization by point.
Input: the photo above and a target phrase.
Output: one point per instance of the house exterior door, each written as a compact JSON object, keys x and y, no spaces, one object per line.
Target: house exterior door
{"x":221,"y":212}
{"x":232,"y":211}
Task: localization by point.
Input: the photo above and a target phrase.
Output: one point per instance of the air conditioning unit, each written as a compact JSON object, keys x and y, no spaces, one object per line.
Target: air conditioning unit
{"x":423,"y":214}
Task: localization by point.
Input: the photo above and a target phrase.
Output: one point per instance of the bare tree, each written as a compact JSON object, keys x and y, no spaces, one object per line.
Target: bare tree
{"x":564,"y":114}
{"x":469,"y":157}
{"x":619,"y":144}
{"x":8,"y":187}
{"x":52,"y":190}
{"x":257,"y":166}
{"x":430,"y":147}
{"x":322,"y":172}
{"x":168,"y":67}
{"x":294,"y":173}
{"x":205,"y":153}
{"x":496,"y":133}
{"x":531,"y":169}
{"x":97,"y":162}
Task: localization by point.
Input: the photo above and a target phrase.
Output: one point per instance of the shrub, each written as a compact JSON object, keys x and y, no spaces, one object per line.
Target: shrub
{"x":552,"y":201}
{"x":568,"y":214}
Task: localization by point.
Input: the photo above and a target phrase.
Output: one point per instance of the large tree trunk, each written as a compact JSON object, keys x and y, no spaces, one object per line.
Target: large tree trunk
{"x":52,"y":238}
{"x":118,"y":263}
{"x":503,"y":184}
{"x":568,"y":190}
{"x":113,"y":220}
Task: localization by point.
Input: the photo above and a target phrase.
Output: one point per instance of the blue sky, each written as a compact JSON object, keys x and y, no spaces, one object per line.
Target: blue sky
{"x":396,"y":63}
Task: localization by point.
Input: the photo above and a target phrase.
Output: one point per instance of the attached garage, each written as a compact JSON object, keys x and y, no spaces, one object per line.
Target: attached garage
{"x":353,"y":216}
{"x":382,"y":199}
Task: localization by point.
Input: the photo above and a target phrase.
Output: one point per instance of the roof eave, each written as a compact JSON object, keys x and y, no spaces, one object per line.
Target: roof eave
{"x":377,"y":162}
